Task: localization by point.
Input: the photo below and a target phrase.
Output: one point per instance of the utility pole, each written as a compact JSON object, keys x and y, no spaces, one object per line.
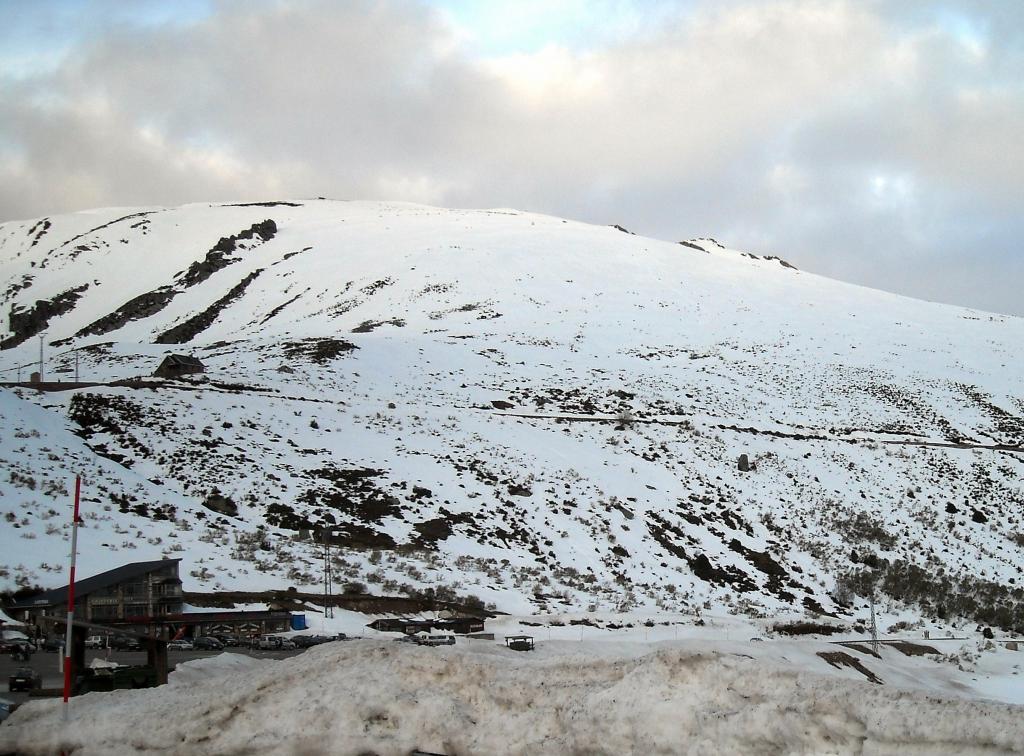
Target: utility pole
{"x":874,"y":625}
{"x":76,"y":366}
{"x":41,"y":337}
{"x":68,"y":672}
{"x":328,"y":609}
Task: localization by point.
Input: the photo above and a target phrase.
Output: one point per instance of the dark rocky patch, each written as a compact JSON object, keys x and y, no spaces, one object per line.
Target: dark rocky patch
{"x":429,"y":532}
{"x":38,"y":230}
{"x":136,"y":308}
{"x":763,"y":562}
{"x":280,"y":307}
{"x":73,"y":239}
{"x":14,"y":288}
{"x":662,"y":531}
{"x":1009,"y":425}
{"x":318,"y":350}
{"x":739,"y":580}
{"x":280,"y":515}
{"x":354,"y":493}
{"x":221,"y":504}
{"x":803,"y":627}
{"x":188,"y":330}
{"x":26,"y":323}
{"x":370,"y":325}
{"x":840,"y":659}
{"x":279,"y":203}
{"x":218,"y":256}
{"x":372,"y":288}
{"x":912,"y":649}
{"x":290,"y":255}
{"x":691,"y":245}
{"x":781,"y":262}
{"x":358,"y":536}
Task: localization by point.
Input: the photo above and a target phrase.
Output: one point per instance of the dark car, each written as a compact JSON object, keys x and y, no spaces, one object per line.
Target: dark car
{"x":24,"y":678}
{"x":22,"y":650}
{"x":53,"y":643}
{"x":125,"y":643}
{"x":207,"y":643}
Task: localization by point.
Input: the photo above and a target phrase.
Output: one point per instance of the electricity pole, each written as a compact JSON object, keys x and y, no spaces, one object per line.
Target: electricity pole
{"x":874,"y":626}
{"x":41,"y":337}
{"x":328,"y":609}
{"x":68,"y":656}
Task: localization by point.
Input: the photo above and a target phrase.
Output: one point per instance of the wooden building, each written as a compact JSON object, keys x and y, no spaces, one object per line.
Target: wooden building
{"x":241,"y":624}
{"x":458,"y":625}
{"x":177,"y":365}
{"x":140,"y":589}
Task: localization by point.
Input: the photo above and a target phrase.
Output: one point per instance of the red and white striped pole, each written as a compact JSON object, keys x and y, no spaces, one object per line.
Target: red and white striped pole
{"x":71,"y":598}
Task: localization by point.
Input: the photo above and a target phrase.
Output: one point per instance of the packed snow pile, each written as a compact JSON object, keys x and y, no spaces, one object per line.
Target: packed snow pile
{"x":388,"y":698}
{"x":186,"y":674}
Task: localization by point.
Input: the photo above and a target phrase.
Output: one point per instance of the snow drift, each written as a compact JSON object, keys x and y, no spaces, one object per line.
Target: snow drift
{"x":366,"y":697}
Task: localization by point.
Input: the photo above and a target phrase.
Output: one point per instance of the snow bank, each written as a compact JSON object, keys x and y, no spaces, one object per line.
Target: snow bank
{"x":222,"y":665}
{"x":389,"y":698}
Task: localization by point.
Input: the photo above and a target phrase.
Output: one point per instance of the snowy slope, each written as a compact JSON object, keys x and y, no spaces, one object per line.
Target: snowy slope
{"x":539,"y":412}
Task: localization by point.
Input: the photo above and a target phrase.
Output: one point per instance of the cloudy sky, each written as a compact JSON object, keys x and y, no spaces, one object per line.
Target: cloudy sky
{"x":877,"y":142}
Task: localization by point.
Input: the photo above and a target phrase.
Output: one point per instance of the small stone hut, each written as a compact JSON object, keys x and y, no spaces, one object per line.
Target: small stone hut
{"x":177,"y":365}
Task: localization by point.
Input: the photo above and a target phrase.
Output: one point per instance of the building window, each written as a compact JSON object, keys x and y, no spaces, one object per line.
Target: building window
{"x":103,"y":612}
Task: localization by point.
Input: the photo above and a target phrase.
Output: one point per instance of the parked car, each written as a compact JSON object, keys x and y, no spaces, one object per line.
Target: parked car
{"x":95,"y":641}
{"x":21,"y":650}
{"x":6,"y":707}
{"x":119,"y":677}
{"x":53,"y":643}
{"x":24,"y":678}
{"x":438,"y":640}
{"x":125,"y":643}
{"x":267,"y":643}
{"x":286,"y":644}
{"x":207,"y":643}
{"x":180,"y":645}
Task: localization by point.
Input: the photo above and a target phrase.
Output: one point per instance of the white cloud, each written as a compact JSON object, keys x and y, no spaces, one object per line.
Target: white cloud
{"x":833,"y":132}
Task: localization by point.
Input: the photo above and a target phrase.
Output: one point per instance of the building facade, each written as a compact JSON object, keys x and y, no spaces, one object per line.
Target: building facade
{"x":122,"y":595}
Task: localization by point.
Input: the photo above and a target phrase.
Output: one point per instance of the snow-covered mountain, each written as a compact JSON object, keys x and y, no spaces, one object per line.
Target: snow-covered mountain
{"x":534,"y":411}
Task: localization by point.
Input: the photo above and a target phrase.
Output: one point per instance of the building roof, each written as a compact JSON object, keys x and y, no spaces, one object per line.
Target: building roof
{"x":92,"y":584}
{"x":181,"y":359}
{"x":230,"y":614}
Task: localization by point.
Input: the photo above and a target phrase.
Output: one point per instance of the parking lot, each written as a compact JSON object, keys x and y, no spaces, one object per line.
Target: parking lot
{"x":48,"y":664}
